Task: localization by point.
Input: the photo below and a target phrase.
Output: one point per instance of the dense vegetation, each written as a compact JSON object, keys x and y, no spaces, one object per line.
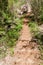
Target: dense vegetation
{"x":11,"y":23}
{"x":36,"y":23}
{"x":37,"y":9}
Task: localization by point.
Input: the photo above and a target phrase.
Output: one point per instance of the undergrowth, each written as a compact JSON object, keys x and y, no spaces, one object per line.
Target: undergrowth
{"x":8,"y":38}
{"x":37,"y":35}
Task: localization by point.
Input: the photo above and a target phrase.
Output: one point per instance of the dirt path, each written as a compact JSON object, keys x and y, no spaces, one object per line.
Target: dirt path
{"x":25,"y":53}
{"x":25,"y":33}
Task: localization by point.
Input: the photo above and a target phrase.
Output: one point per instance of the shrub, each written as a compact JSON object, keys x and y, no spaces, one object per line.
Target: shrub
{"x":18,"y":27}
{"x":37,"y":36}
{"x":33,"y":26}
{"x":11,"y":42}
{"x":36,"y":33}
{"x":37,"y":9}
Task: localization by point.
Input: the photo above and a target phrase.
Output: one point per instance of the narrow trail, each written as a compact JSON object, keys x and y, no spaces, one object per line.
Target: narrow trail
{"x":25,"y":33}
{"x":25,"y":52}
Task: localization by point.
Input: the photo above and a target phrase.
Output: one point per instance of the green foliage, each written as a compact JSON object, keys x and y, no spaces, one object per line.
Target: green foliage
{"x":11,"y":51}
{"x":38,"y":35}
{"x":18,"y":27}
{"x":37,"y":9}
{"x":13,"y":34}
{"x":15,"y":1}
{"x":34,"y":27}
{"x":9,"y":26}
{"x":11,"y":42}
{"x":19,"y":21}
{"x":41,"y":63}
